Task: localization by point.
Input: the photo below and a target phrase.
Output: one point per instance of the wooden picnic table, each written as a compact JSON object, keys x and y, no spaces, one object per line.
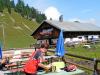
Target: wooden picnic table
{"x":17,"y":69}
{"x":21,"y":61}
{"x":16,"y":66}
{"x":16,"y":63}
{"x":62,"y":72}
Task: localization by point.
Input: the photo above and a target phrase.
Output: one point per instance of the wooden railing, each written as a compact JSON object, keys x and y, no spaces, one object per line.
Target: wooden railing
{"x":96,"y":61}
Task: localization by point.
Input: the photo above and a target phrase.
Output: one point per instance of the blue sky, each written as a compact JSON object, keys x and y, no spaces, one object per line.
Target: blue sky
{"x":83,"y":10}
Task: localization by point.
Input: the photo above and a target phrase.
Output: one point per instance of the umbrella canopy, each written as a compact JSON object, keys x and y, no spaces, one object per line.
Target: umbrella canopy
{"x":0,"y":52}
{"x":60,"y":45}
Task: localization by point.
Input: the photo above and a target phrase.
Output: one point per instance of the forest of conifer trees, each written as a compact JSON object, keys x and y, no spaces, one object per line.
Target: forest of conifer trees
{"x":24,"y":10}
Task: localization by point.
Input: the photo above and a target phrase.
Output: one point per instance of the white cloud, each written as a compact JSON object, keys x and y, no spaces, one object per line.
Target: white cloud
{"x":52,"y":12}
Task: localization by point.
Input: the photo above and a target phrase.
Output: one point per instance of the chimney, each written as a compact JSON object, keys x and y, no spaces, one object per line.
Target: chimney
{"x":77,"y":21}
{"x":61,"y":18}
{"x":50,"y":19}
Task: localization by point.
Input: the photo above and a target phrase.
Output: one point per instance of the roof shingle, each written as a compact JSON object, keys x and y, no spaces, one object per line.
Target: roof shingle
{"x":73,"y":26}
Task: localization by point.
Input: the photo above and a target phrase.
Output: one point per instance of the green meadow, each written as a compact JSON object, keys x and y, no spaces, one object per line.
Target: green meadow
{"x":15,"y":31}
{"x":93,"y":52}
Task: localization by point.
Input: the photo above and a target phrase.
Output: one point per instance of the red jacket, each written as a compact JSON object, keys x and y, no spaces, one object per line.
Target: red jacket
{"x":32,"y":64}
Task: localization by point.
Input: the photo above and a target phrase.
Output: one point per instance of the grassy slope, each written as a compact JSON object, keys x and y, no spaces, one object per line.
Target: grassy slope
{"x":17,"y":30}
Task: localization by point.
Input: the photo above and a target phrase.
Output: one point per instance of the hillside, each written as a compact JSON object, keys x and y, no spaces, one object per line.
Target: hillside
{"x":16,"y":29}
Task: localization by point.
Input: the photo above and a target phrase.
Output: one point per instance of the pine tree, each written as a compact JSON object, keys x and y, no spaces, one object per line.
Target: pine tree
{"x":19,"y":6}
{"x":27,"y":11}
{"x":33,"y":12}
{"x":9,"y":6}
{"x":12,"y":4}
{"x":1,"y":6}
{"x":40,"y":17}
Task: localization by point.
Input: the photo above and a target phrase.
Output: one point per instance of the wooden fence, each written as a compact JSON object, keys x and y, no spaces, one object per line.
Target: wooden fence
{"x":95,"y":66}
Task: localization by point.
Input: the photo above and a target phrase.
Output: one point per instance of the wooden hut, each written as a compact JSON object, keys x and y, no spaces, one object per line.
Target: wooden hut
{"x":50,"y":29}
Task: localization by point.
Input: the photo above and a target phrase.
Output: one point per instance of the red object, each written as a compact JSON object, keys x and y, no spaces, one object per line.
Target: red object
{"x":70,"y":68}
{"x":31,"y":65}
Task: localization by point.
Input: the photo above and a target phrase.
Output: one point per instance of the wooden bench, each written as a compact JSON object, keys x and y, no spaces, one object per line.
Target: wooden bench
{"x":14,"y":68}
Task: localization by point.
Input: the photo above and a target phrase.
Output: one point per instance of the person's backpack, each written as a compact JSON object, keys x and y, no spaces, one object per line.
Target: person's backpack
{"x":70,"y":68}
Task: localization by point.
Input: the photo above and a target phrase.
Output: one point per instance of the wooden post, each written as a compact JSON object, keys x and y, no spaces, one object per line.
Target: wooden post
{"x":3,"y":36}
{"x":95,"y":67}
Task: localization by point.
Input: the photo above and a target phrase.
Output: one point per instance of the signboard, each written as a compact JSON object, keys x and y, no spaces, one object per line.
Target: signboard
{"x":46,"y":32}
